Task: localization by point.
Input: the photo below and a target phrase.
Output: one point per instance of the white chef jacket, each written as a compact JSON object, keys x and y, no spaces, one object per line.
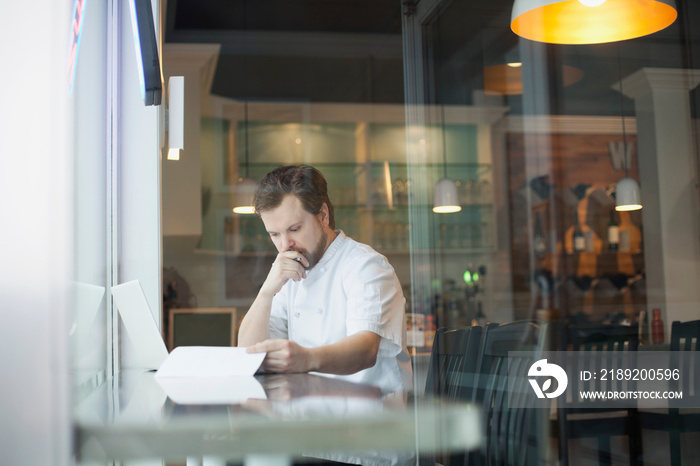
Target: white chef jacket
{"x":352,"y":289}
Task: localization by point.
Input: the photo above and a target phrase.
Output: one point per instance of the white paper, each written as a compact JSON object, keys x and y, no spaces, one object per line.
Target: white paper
{"x":209,"y":361}
{"x":212,"y":390}
{"x":140,"y":324}
{"x":210,"y":375}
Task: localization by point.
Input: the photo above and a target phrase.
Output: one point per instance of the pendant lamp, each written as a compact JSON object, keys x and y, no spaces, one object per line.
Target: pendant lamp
{"x":445,"y":198}
{"x":627,"y":195}
{"x":245,"y":187}
{"x":590,"y":21}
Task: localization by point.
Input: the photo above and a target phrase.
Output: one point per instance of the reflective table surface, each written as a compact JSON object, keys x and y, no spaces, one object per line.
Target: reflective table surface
{"x":137,"y":416}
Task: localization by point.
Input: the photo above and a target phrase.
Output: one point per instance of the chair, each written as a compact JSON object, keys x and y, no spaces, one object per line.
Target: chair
{"x":512,"y":430}
{"x":453,"y":362}
{"x":451,"y":371}
{"x":598,"y":346}
{"x":685,"y":348}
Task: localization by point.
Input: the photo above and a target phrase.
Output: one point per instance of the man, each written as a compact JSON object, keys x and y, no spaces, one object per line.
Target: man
{"x":329,"y":304}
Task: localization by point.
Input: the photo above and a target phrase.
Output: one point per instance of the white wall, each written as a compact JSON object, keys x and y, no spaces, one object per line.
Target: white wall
{"x":35,"y":233}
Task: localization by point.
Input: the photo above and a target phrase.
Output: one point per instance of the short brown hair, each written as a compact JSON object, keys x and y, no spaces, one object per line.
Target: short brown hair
{"x":303,"y":181}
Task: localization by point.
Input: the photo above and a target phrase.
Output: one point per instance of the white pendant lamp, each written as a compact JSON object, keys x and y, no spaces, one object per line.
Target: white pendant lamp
{"x":590,"y":21}
{"x":245,"y":187}
{"x":243,"y":193}
{"x":445,"y":198}
{"x":627,"y":195}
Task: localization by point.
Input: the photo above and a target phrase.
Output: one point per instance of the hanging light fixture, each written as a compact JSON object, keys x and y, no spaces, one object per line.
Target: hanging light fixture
{"x":627,"y":195}
{"x":245,"y":187}
{"x":445,"y":198}
{"x":590,"y":21}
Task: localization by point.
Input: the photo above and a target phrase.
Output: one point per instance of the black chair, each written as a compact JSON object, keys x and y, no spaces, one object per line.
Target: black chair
{"x":453,"y":363}
{"x":597,"y":347}
{"x":685,"y":356}
{"x":512,"y":427}
{"x":451,"y":371}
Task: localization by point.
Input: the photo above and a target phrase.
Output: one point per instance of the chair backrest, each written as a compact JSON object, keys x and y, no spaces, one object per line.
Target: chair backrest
{"x":598,"y":348}
{"x":509,"y":430}
{"x":602,"y":338}
{"x":685,"y":356}
{"x":685,"y":336}
{"x":453,"y":363}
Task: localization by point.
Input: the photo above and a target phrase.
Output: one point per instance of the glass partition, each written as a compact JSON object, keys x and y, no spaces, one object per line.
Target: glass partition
{"x":92,"y":168}
{"x":534,"y":137}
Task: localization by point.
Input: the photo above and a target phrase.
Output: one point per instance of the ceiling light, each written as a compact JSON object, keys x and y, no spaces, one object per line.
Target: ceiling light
{"x":627,"y":195}
{"x":592,"y":3}
{"x":445,"y":197}
{"x":243,"y":192}
{"x":582,"y":22}
{"x":245,"y":187}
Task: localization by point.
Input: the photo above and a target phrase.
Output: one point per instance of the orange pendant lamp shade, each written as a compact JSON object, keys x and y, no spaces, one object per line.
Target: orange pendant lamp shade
{"x":590,"y":21}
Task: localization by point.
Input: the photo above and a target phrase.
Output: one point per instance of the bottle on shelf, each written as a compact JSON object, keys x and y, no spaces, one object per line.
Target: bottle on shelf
{"x":657,"y":328}
{"x":643,"y":325}
{"x":442,"y":240}
{"x":538,"y":236}
{"x":613,"y":232}
{"x":579,"y":238}
{"x":429,"y":331}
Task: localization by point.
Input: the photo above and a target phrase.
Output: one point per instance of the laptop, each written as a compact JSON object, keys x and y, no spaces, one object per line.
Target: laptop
{"x":140,"y":324}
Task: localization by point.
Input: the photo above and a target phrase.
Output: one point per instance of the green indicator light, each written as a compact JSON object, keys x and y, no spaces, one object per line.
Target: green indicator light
{"x":467,"y":277}
{"x":476,"y":276}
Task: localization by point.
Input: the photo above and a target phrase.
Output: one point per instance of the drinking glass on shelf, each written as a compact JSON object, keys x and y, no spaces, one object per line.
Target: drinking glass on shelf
{"x":378,"y":193}
{"x":466,"y":236}
{"x":399,"y":191}
{"x":476,"y":192}
{"x":443,"y":236}
{"x":465,"y":193}
{"x":398,"y":235}
{"x":485,"y":191}
{"x":454,"y":238}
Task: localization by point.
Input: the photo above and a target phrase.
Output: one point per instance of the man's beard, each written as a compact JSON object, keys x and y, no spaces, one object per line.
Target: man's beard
{"x":314,"y":257}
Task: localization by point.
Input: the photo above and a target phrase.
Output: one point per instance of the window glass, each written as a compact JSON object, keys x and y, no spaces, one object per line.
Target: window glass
{"x":89,"y":327}
{"x":445,"y":106}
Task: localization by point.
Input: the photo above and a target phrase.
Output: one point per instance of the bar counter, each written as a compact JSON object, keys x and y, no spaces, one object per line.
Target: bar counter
{"x":276,"y":418}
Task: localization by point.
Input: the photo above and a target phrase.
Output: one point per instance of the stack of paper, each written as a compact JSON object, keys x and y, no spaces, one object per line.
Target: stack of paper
{"x":210,"y":375}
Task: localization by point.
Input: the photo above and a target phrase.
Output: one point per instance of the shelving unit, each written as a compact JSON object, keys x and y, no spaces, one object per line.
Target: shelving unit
{"x":371,"y":203}
{"x":380,"y":198}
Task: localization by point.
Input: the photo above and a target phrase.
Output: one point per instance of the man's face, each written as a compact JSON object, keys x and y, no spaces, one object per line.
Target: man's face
{"x":292,"y":228}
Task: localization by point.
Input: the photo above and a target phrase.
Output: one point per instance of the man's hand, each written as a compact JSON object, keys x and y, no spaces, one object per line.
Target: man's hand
{"x":289,"y":265}
{"x":344,"y":357}
{"x":284,"y":356}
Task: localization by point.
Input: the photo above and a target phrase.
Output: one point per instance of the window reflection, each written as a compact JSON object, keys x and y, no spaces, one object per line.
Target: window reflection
{"x":535,"y":152}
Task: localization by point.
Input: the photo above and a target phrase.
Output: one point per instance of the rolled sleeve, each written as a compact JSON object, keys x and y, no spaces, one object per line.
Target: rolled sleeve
{"x":376,"y":303}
